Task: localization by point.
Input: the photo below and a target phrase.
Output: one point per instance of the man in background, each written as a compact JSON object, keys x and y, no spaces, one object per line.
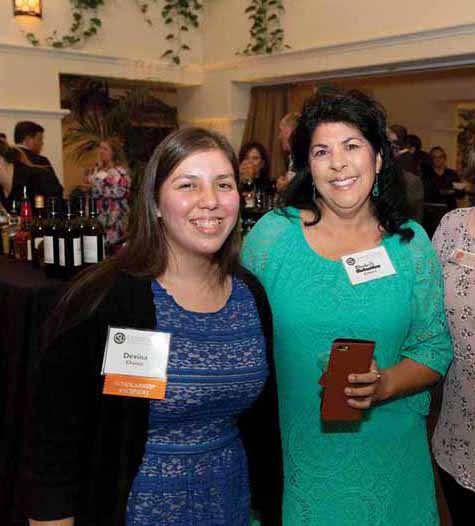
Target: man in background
{"x":287,"y":125}
{"x":29,"y":139}
{"x":410,"y":171}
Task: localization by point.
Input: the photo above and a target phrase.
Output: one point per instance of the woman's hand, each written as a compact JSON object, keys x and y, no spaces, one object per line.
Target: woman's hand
{"x":364,"y":388}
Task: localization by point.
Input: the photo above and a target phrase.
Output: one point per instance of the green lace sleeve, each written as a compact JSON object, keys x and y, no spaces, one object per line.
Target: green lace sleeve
{"x":428,"y":341}
{"x":260,"y":241}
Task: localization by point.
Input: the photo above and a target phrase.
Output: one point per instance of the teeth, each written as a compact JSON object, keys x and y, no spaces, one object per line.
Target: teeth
{"x":343,"y":182}
{"x":206,"y":223}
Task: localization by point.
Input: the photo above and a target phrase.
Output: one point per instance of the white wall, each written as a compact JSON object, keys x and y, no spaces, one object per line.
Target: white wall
{"x":328,"y":37}
{"x":317,"y":23}
{"x":124,"y":32}
{"x":126,"y":47}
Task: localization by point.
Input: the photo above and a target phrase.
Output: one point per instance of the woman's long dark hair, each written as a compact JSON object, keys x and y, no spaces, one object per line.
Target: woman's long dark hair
{"x":357,"y":109}
{"x":146,"y":252}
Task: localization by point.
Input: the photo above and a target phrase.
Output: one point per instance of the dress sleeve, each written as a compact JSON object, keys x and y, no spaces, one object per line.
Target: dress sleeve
{"x":259,"y":241}
{"x":428,"y":340}
{"x":61,"y":418}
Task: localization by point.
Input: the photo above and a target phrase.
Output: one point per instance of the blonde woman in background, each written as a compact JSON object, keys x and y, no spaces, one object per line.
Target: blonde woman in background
{"x":110,"y":184}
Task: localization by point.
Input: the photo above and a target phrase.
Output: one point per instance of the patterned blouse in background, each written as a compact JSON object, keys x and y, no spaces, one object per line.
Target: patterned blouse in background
{"x":111,"y":188}
{"x":454,"y":439}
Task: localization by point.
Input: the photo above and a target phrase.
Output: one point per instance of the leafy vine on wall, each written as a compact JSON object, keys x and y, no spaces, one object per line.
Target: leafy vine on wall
{"x":179,"y":16}
{"x":267,"y":35}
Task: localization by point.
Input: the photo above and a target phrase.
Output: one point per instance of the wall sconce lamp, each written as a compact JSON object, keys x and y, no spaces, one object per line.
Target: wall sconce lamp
{"x":27,"y":7}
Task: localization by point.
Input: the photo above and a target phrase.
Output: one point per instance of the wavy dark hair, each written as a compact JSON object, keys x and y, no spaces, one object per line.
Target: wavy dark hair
{"x":246,"y":148}
{"x":146,"y":252}
{"x":357,"y":109}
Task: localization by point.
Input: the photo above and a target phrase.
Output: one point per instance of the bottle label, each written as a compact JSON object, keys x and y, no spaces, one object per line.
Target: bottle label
{"x":77,"y":254}
{"x":62,"y":255}
{"x":37,"y":242}
{"x":29,"y":252}
{"x":90,"y":249}
{"x":49,"y":250}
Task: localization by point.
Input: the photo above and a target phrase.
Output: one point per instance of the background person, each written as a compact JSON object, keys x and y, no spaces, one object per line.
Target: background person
{"x":453,"y":442}
{"x":254,"y":164}
{"x":410,"y":170}
{"x":103,"y":460}
{"x":442,"y":183}
{"x":345,"y":200}
{"x":29,"y":138}
{"x":16,"y":172}
{"x":286,"y":127}
{"x":110,"y":184}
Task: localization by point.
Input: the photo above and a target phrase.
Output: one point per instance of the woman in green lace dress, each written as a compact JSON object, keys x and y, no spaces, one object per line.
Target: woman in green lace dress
{"x":345,"y":200}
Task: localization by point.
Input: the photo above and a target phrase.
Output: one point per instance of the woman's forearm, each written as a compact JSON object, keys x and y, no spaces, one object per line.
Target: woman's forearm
{"x":404,"y":378}
{"x":69,"y":521}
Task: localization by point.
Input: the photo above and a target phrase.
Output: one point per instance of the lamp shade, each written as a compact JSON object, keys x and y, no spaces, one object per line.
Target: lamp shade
{"x":27,"y":7}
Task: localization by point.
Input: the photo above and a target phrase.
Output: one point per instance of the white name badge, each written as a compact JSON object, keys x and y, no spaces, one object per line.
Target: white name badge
{"x":463,"y":258}
{"x":135,"y":363}
{"x":368,"y":265}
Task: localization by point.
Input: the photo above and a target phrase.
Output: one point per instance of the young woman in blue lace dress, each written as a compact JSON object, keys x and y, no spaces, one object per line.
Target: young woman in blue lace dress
{"x":103,"y":460}
{"x":344,"y":201}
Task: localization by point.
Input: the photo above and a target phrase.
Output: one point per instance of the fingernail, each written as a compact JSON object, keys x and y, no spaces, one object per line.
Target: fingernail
{"x":348,"y":391}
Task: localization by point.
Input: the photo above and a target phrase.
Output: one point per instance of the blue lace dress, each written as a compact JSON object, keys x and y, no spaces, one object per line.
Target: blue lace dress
{"x":194,"y":470}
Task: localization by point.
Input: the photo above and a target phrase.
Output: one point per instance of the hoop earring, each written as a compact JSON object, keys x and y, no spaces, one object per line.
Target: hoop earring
{"x":375,"y":190}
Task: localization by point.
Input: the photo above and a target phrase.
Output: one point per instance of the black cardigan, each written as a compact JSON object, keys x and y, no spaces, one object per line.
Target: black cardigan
{"x":85,"y":448}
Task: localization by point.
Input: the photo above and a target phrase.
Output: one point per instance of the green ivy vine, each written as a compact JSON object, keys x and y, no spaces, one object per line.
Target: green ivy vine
{"x":267,"y":35}
{"x":179,"y":16}
{"x":85,"y":24}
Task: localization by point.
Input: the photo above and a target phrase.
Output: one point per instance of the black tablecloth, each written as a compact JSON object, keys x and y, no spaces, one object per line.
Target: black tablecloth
{"x":26,"y":299}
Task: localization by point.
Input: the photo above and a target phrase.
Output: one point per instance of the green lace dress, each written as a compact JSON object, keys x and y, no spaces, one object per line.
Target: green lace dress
{"x":377,"y":473}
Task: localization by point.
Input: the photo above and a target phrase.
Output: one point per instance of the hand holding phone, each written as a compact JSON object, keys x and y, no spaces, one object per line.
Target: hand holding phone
{"x":347,"y":357}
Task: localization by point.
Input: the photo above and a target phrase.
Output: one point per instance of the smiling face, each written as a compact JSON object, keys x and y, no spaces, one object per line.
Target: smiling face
{"x":343,"y":166}
{"x":199,"y":204}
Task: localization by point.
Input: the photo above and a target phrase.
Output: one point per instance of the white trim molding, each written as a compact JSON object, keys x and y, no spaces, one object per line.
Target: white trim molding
{"x":34,"y":111}
{"x":435,"y":48}
{"x":71,"y":61}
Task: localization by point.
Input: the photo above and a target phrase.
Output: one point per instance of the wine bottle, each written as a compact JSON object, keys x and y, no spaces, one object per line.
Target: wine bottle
{"x":248,"y":192}
{"x":93,"y":237}
{"x":13,"y":227}
{"x":22,"y":243}
{"x":69,"y":242}
{"x":81,"y":221}
{"x":51,"y":240}
{"x":38,"y":231}
{"x":4,"y":222}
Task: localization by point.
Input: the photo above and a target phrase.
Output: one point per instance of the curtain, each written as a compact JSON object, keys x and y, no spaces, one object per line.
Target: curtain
{"x":268,"y":104}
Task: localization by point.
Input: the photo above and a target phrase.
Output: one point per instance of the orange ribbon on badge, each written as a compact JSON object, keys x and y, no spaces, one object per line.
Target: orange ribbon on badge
{"x":135,"y":386}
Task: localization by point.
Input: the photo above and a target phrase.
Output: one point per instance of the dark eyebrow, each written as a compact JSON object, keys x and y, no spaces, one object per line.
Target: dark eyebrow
{"x":347,"y":140}
{"x":194,"y":177}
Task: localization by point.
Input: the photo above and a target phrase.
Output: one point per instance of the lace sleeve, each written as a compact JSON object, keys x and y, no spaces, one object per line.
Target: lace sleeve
{"x":428,"y":341}
{"x":260,"y":240}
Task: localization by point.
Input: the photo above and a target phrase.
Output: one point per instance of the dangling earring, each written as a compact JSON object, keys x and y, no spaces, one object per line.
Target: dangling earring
{"x":159,"y":214}
{"x":375,"y":190}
